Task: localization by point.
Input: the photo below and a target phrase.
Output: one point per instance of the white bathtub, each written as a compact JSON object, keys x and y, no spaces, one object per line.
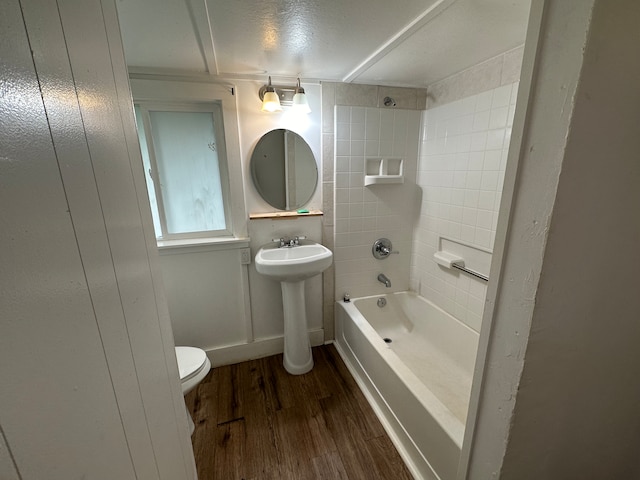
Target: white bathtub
{"x":419,"y":383}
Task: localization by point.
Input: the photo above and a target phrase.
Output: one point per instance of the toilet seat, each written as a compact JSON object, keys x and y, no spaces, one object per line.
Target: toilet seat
{"x":193,"y":366}
{"x":191,"y":361}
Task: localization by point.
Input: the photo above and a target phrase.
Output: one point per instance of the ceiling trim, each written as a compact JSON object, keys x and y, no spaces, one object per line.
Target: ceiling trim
{"x":199,"y":14}
{"x":190,"y":76}
{"x":420,"y":21}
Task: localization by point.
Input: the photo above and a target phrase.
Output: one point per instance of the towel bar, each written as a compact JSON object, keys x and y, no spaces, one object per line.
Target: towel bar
{"x":471,"y":272}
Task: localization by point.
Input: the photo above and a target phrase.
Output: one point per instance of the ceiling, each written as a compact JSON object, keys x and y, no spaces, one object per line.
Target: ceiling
{"x":404,"y":43}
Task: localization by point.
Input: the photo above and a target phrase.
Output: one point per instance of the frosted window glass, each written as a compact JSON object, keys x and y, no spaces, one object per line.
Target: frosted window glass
{"x":187,"y":159}
{"x":146,"y":162}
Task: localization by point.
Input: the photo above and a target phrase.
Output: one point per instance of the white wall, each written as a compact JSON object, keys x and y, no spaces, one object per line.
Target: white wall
{"x":254,"y":123}
{"x":364,"y":214}
{"x":86,"y":356}
{"x":228,"y":308}
{"x":216,"y":302}
{"x":266,"y":294}
{"x":266,"y":297}
{"x":206,"y":289}
{"x":456,"y":194}
{"x":209,"y":303}
{"x":559,"y":396}
{"x":365,"y":97}
{"x":462,"y":161}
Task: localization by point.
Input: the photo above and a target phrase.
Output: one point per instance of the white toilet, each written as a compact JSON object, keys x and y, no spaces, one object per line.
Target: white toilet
{"x":193,"y":365}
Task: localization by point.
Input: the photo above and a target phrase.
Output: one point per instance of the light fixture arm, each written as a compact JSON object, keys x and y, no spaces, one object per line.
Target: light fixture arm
{"x":285,"y":93}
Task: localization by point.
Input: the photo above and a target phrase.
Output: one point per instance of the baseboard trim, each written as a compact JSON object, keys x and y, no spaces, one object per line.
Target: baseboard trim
{"x":260,"y":347}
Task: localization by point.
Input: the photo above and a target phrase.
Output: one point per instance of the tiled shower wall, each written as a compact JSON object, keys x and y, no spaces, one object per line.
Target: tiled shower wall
{"x":360,"y":97}
{"x":463,"y":154}
{"x":427,"y":205}
{"x":364,"y":214}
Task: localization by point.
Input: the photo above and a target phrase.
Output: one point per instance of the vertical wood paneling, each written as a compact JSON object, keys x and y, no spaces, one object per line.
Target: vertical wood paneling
{"x":102,"y":113}
{"x":206,"y":310}
{"x":66,"y":124}
{"x":123,"y":91}
{"x":57,"y":403}
{"x":90,"y":383}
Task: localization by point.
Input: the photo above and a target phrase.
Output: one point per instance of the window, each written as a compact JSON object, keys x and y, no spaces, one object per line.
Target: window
{"x":184,"y":156}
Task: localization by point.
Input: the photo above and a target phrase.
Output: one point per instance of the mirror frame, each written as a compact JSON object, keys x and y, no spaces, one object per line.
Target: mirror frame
{"x":282,"y":190}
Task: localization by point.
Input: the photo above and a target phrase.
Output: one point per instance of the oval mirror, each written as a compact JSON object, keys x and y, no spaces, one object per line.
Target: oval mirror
{"x":284,"y":170}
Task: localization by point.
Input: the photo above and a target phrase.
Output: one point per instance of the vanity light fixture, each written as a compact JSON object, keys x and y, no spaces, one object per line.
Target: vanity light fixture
{"x":300,"y":103}
{"x":275,"y":96}
{"x":269,"y":97}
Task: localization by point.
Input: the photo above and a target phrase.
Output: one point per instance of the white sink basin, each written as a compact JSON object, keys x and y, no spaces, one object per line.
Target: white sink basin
{"x":292,"y":264}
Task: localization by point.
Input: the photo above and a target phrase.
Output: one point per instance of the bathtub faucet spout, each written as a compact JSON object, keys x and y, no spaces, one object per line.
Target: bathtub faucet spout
{"x":382,"y":278}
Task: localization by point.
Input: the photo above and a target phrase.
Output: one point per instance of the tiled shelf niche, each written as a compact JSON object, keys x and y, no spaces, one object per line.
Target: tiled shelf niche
{"x":383,"y":170}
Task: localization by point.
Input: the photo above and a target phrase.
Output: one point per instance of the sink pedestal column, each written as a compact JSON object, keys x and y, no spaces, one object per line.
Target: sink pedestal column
{"x":297,"y":347}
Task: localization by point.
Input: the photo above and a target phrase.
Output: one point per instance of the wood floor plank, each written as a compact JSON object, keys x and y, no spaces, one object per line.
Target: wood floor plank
{"x":229,"y":396}
{"x":346,"y":432}
{"x":254,"y":421}
{"x":280,"y":385}
{"x":298,"y":431}
{"x":263,"y":459}
{"x":229,"y":453}
{"x":389,"y":466}
{"x":329,"y":467}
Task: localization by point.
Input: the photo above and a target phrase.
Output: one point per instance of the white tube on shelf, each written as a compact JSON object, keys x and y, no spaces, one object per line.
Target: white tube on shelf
{"x":446,"y":259}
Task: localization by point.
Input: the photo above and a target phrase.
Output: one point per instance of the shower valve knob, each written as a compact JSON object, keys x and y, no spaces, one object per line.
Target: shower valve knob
{"x":382,"y":248}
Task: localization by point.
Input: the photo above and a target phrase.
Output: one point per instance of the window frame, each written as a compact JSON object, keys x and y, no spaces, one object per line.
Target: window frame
{"x":163,"y":90}
{"x":215,"y":108}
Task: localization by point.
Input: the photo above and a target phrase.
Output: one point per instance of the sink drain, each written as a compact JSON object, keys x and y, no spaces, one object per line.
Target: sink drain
{"x":387,"y":340}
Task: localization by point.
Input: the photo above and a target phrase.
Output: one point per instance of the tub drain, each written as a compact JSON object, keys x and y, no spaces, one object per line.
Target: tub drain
{"x":387,"y":340}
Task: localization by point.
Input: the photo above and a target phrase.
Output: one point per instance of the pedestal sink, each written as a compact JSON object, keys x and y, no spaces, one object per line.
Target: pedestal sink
{"x":291,"y":266}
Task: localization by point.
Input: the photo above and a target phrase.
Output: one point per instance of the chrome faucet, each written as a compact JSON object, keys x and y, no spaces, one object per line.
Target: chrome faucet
{"x":382,"y":278}
{"x":288,"y":242}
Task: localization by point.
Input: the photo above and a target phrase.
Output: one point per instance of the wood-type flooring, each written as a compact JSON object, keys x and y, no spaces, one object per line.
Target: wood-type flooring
{"x":254,"y":421}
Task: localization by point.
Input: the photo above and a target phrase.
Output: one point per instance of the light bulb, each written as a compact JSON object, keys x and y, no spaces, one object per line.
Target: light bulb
{"x":271,"y":102}
{"x":300,"y":102}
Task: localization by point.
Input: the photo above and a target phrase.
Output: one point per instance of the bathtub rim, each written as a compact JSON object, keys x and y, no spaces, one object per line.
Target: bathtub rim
{"x":449,"y":423}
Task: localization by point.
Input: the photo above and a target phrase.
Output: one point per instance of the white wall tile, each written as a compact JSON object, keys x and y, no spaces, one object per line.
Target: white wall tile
{"x":495,"y":139}
{"x":463,"y":153}
{"x":364,"y":214}
{"x":342,"y":195}
{"x":342,"y":164}
{"x":486,"y":200}
{"x":343,"y":114}
{"x":478,"y":141}
{"x":343,"y":147}
{"x":498,"y":117}
{"x":483,"y":101}
{"x":456,"y":153}
{"x":492,"y":160}
{"x":501,"y":96}
{"x":343,"y":131}
{"x":481,"y":121}
{"x":358,"y":130}
{"x":358,"y":115}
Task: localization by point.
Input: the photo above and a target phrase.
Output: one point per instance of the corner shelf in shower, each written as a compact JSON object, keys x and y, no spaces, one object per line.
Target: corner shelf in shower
{"x":383,"y":171}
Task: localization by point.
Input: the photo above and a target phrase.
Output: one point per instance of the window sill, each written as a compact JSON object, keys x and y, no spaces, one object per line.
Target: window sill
{"x":205,"y":244}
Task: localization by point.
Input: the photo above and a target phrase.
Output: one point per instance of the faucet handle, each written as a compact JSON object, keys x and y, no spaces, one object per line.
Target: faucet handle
{"x":297,"y":238}
{"x":279,"y":241}
{"x":382,"y":248}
